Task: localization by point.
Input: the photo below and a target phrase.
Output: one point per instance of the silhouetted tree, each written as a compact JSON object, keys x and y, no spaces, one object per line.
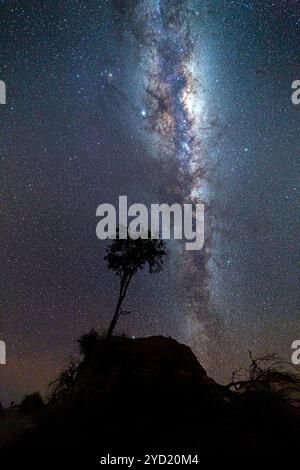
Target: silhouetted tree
{"x":271,"y":374}
{"x":125,"y":258}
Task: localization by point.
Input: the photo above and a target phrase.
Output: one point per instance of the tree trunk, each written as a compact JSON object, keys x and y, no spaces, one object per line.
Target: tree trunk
{"x":123,"y":289}
{"x":115,"y":317}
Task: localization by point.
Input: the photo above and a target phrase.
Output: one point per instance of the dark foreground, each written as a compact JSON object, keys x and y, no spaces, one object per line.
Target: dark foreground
{"x":133,"y":397}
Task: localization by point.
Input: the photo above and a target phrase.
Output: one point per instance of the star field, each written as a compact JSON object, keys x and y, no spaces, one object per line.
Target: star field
{"x":161,"y":101}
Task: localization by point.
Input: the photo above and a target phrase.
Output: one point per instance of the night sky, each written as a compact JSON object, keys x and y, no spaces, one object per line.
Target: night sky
{"x":162,"y":101}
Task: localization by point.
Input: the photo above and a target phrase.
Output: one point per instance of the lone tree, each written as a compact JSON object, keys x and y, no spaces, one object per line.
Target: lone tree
{"x":125,"y":258}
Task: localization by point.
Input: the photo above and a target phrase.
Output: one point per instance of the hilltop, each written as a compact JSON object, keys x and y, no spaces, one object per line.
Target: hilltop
{"x":152,"y":395}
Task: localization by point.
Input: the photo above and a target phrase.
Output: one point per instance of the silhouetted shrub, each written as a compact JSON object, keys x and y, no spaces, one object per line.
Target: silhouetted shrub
{"x":62,"y":386}
{"x":32,"y":404}
{"x":89,"y":342}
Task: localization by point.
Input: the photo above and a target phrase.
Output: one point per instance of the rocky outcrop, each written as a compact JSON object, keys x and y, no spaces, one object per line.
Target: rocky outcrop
{"x":144,"y":391}
{"x":132,"y":396}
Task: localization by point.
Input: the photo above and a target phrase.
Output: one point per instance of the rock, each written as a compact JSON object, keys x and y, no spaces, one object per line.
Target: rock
{"x":132,"y":396}
{"x":137,"y":392}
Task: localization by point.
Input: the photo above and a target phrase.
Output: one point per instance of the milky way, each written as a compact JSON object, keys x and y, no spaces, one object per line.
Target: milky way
{"x":174,"y":113}
{"x":171,"y":97}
